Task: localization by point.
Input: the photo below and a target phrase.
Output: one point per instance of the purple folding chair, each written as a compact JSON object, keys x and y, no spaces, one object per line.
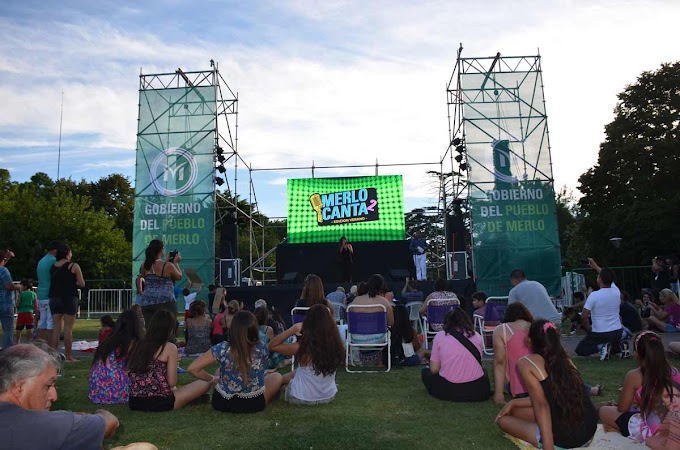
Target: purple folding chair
{"x":367,"y":331}
{"x":437,"y":308}
{"x":494,"y":310}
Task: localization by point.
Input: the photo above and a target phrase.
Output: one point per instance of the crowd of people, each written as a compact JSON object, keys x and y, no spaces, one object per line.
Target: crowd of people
{"x":137,"y":360}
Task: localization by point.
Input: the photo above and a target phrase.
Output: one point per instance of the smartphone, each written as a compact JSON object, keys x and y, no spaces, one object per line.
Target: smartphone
{"x":171,"y":256}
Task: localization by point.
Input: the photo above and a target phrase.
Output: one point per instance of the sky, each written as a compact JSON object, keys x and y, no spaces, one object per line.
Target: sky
{"x":331,"y":82}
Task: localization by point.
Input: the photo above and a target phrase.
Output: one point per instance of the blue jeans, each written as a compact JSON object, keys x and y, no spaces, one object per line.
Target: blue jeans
{"x":7,"y":320}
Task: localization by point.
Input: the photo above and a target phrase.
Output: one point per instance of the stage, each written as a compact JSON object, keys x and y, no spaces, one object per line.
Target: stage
{"x":283,"y":296}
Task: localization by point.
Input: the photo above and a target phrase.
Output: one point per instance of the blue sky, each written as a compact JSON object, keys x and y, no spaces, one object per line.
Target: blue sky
{"x":334,"y":82}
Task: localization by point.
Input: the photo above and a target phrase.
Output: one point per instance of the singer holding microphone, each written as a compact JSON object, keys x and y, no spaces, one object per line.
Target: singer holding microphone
{"x":346,"y":258}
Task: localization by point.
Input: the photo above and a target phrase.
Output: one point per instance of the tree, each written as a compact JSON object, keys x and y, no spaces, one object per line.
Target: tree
{"x":631,"y":192}
{"x":114,"y":194}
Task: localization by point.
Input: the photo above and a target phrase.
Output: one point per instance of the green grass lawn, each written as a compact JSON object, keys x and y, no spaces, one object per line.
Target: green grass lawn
{"x":372,"y":410}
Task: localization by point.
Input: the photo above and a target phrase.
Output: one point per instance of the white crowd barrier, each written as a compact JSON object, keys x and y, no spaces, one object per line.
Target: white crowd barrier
{"x":108,"y":301}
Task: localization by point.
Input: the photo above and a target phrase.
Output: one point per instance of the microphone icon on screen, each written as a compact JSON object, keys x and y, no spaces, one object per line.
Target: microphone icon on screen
{"x":315,"y":199}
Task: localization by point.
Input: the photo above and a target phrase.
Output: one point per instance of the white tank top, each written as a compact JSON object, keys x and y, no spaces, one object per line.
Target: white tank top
{"x":308,"y":386}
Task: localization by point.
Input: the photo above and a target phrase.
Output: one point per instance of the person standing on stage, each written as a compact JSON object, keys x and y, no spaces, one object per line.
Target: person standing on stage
{"x":346,"y":257}
{"x":418,"y":246}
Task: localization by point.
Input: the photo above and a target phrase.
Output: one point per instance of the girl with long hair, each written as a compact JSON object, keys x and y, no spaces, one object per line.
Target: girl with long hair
{"x":455,"y":372}
{"x":109,"y":380}
{"x":319,"y":351}
{"x":232,"y":308}
{"x":198,"y":327}
{"x":652,"y":387}
{"x":241,"y":385}
{"x":509,"y":346}
{"x":312,"y":293}
{"x":346,"y":258}
{"x":159,"y":279}
{"x":153,"y":370}
{"x":558,"y":411}
{"x":404,"y":335}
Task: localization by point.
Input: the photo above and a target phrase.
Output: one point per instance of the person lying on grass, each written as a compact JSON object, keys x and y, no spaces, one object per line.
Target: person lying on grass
{"x":241,"y":385}
{"x":318,"y":352}
{"x":153,"y":370}
{"x":654,"y":387}
{"x":558,"y":411}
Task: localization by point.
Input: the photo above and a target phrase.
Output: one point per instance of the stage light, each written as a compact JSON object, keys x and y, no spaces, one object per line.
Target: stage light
{"x":460,"y":149}
{"x":221,"y":159}
{"x":219,"y":150}
{"x":456,"y":142}
{"x":458,"y":158}
{"x":219,"y":181}
{"x":221,"y":169}
{"x":463,"y":166}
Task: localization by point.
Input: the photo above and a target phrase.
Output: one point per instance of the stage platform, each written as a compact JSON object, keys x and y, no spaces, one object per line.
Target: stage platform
{"x":283,"y":296}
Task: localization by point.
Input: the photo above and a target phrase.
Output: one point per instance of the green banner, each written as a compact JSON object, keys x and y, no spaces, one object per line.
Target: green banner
{"x":514,"y":226}
{"x":174,"y":187}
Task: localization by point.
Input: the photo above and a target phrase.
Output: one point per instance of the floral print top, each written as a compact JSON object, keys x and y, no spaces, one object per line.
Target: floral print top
{"x":231,"y":384}
{"x":153,"y":383}
{"x":109,"y":381}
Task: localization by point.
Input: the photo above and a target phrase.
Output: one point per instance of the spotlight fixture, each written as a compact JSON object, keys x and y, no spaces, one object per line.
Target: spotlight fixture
{"x":458,"y":158}
{"x":464,"y":166}
{"x":219,"y":150}
{"x":221,"y":169}
{"x":221,"y":158}
{"x":460,"y":149}
{"x":456,"y":142}
{"x":219,"y":181}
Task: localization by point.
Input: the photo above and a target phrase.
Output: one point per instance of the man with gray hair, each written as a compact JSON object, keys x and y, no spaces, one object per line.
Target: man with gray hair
{"x":28,"y":377}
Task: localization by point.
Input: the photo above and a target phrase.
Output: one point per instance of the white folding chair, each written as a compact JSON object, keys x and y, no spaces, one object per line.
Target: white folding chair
{"x":413,"y":309}
{"x":494,"y":309}
{"x":436,"y":311}
{"x":338,"y":313}
{"x":367,"y":331}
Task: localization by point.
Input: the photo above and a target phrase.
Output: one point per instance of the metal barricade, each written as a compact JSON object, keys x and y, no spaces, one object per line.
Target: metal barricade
{"x":108,"y":301}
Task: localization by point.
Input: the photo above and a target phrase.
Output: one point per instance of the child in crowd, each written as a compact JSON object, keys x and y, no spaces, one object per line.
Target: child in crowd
{"x":107,"y":324}
{"x":643,"y":304}
{"x":479,"y":303}
{"x":217,"y":335}
{"x":319,"y":352}
{"x":649,"y":392}
{"x":153,"y":370}
{"x":266,"y":335}
{"x":558,"y":411}
{"x":241,"y":385}
{"x":574,"y":318}
{"x":27,"y":305}
{"x":198,"y":327}
{"x":109,"y":380}
{"x":405,"y":335}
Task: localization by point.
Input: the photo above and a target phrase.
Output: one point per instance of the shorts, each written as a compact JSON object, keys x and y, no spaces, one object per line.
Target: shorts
{"x":152,"y":404}
{"x":45,"y":322}
{"x":238,"y":404}
{"x":622,"y":423}
{"x":67,"y":306}
{"x":24,"y":320}
{"x":670,"y":328}
{"x":296,"y":401}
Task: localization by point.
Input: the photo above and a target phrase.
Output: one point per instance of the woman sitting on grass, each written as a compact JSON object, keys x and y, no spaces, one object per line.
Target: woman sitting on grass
{"x":455,"y":373}
{"x":198,"y":327}
{"x":107,"y":327}
{"x":654,"y":387}
{"x":509,"y":346}
{"x":242,"y":386}
{"x":405,"y":335}
{"x":232,"y":308}
{"x":665,"y":320}
{"x":153,"y":370}
{"x":558,"y":412}
{"x":319,"y":353}
{"x":109,"y":381}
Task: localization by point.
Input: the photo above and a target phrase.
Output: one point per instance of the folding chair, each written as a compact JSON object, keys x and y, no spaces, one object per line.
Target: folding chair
{"x":413,"y":309}
{"x":367,"y":331}
{"x":436,"y":311}
{"x":338,"y":313}
{"x":298,"y":315}
{"x":494,"y":309}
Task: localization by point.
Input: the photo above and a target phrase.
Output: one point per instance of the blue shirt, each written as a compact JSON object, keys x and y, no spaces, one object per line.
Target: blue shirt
{"x":231,"y":383}
{"x":6,"y":297}
{"x":415,"y":243}
{"x":44,"y":276}
{"x":336,"y":297}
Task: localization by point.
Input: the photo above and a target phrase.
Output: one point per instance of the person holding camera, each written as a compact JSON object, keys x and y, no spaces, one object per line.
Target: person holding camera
{"x":159,"y":277}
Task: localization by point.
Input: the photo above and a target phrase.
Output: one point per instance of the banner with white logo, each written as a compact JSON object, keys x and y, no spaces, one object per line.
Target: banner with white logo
{"x":174,"y":188}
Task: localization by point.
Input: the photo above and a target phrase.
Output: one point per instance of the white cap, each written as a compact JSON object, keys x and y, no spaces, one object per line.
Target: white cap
{"x":260,"y":303}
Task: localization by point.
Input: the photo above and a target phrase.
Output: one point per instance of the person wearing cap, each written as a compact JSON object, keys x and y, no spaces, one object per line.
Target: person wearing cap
{"x":7,"y":299}
{"x":45,"y":324}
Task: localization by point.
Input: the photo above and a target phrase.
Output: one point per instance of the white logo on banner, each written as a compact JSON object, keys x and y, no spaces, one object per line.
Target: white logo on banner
{"x":173,"y":167}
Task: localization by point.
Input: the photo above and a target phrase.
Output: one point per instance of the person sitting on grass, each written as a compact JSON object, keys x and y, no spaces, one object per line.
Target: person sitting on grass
{"x":665,"y":320}
{"x":108,"y":325}
{"x":652,"y":388}
{"x":28,"y":378}
{"x":318,"y":351}
{"x":455,"y":372}
{"x":405,"y":335}
{"x":153,"y":370}
{"x":509,"y":346}
{"x":558,"y":412}
{"x":109,"y":380}
{"x":198,"y":328}
{"x":266,"y":335}
{"x":27,"y":305}
{"x":233,"y":307}
{"x":242,"y":386}
{"x":217,"y":334}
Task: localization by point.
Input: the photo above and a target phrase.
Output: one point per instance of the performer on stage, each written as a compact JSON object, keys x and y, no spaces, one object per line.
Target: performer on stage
{"x":346,"y":258}
{"x":418,"y":245}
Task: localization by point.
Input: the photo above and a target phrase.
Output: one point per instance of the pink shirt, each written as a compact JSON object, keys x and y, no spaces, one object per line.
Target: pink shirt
{"x":673,"y":310}
{"x":457,"y":363}
{"x":217,"y":328}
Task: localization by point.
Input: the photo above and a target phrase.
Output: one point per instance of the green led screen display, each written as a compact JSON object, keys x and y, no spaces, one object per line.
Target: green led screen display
{"x":359,"y":208}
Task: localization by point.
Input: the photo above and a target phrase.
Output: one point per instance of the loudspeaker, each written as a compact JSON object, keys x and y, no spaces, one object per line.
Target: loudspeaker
{"x":399,"y":274}
{"x":455,"y":234}
{"x":229,"y":240}
{"x":291,"y":278}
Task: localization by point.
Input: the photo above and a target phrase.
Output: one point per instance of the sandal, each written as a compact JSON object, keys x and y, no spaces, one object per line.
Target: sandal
{"x":600,"y":388}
